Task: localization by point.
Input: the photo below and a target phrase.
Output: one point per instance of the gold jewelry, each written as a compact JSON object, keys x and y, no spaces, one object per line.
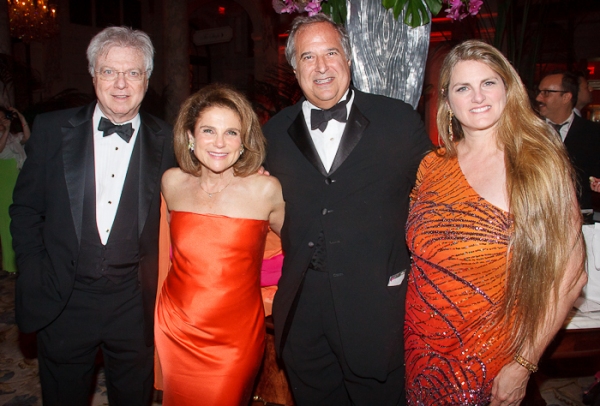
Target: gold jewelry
{"x":242,"y":150}
{"x":210,"y":194}
{"x":450,"y":133}
{"x":191,"y":145}
{"x":525,"y":364}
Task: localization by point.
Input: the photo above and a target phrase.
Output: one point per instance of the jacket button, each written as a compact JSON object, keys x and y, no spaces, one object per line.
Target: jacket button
{"x":324,"y":212}
{"x":329,"y":181}
{"x":311,"y":244}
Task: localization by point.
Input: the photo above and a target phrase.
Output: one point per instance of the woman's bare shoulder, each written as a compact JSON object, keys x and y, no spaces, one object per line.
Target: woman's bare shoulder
{"x":174,"y":178}
{"x":263,"y":183}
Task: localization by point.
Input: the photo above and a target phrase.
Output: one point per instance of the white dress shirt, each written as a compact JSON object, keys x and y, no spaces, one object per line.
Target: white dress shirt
{"x":328,"y":141}
{"x":111,"y":158}
{"x":564,"y":130}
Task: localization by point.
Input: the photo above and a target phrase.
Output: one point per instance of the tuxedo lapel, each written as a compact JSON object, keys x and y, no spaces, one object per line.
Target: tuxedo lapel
{"x":357,"y":123}
{"x":77,"y":145}
{"x":301,"y":137}
{"x":151,"y":143}
{"x":574,"y":129}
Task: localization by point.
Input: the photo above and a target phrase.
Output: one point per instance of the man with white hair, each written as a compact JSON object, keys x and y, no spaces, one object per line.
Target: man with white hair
{"x":85,"y":230}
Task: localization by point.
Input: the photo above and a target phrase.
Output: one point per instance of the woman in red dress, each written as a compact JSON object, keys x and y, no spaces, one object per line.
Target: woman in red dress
{"x":209,"y":319}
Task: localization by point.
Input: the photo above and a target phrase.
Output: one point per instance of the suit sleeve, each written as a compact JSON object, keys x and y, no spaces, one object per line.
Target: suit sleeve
{"x":28,"y":209}
{"x":421,"y":144}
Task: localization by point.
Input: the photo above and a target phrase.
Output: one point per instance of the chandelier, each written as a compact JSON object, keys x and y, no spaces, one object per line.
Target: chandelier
{"x":31,"y":20}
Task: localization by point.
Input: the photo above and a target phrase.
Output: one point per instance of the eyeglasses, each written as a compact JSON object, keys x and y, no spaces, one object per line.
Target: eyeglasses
{"x":134,"y":75}
{"x":546,"y":92}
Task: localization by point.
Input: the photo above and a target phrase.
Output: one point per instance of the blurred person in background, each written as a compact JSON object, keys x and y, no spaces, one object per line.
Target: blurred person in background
{"x":557,"y":97}
{"x":12,"y":156}
{"x":584,"y":95}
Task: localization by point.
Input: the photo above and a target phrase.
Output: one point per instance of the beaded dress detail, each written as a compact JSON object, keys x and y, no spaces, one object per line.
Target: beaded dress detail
{"x":453,"y":345}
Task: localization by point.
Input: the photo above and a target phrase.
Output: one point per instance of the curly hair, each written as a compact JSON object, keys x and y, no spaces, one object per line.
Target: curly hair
{"x":219,"y":95}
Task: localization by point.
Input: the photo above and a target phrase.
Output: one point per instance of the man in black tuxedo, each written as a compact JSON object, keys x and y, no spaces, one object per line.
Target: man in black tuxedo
{"x":557,"y":96}
{"x":347,"y":170}
{"x":85,"y":230}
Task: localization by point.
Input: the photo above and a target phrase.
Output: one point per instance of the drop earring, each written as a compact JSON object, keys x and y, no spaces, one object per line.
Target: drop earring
{"x":450,"y":132}
{"x":242,"y":150}
{"x":191,"y":145}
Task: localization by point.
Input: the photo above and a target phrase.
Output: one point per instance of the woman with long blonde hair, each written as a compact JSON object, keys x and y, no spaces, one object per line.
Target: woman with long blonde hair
{"x":495,"y":234}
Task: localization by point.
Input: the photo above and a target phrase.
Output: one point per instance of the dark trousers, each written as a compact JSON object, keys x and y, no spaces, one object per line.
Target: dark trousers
{"x":103,"y":316}
{"x":314,"y":357}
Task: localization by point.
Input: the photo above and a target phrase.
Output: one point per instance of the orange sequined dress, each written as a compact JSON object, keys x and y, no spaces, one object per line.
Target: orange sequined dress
{"x":210,"y":329}
{"x":458,"y":240}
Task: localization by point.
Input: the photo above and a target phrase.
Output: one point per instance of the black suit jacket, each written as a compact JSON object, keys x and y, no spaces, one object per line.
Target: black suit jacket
{"x":47,"y":212}
{"x":583,"y":145}
{"x":361,"y":206}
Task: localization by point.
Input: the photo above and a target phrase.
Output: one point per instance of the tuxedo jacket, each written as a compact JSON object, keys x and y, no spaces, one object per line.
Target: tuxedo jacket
{"x":47,"y":212}
{"x":583,"y":145}
{"x":361,"y":206}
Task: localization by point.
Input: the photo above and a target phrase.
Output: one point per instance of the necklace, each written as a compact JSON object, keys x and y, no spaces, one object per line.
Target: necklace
{"x":210,"y":194}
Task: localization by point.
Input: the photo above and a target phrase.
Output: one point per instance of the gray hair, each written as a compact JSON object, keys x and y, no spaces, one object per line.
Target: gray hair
{"x":120,"y":37}
{"x":303,"y":21}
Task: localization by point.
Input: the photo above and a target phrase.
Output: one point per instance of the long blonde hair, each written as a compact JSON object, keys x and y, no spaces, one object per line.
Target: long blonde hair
{"x":540,"y":185}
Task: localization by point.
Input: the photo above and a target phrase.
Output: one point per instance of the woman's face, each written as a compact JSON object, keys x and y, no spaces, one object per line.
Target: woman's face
{"x":476,"y":96}
{"x":217,"y":138}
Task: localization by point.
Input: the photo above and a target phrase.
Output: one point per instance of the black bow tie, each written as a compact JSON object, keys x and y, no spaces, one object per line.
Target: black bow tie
{"x":320,"y":118}
{"x":125,"y":131}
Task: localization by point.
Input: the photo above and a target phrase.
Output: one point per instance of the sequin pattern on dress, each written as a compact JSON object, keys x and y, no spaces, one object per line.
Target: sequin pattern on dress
{"x":454,"y":346}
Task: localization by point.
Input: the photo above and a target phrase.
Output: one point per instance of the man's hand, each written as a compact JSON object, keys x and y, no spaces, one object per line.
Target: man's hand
{"x":263,"y":171}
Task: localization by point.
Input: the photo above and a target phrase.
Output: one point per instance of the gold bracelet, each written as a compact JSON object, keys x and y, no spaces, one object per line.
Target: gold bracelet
{"x":525,"y":364}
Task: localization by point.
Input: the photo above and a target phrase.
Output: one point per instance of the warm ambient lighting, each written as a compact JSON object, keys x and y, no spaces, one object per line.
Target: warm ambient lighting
{"x":31,"y":20}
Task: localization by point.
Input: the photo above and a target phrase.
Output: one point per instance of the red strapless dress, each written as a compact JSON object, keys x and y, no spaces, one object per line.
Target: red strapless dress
{"x":209,"y":328}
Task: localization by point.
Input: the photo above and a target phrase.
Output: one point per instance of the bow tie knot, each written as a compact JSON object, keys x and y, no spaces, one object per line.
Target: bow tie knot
{"x":320,"y":118}
{"x":125,"y":131}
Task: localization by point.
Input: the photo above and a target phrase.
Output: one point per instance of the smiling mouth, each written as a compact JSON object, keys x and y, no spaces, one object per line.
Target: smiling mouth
{"x":218,"y":154}
{"x":480,"y":109}
{"x":323,"y":81}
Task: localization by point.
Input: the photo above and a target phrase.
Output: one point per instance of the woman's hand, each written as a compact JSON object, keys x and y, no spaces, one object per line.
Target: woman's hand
{"x":510,"y":385}
{"x":4,"y":124}
{"x":24,"y":125}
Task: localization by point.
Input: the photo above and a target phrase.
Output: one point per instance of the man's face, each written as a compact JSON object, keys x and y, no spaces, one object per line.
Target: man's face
{"x":322,"y":67}
{"x":554,"y":102}
{"x":120,"y":99}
